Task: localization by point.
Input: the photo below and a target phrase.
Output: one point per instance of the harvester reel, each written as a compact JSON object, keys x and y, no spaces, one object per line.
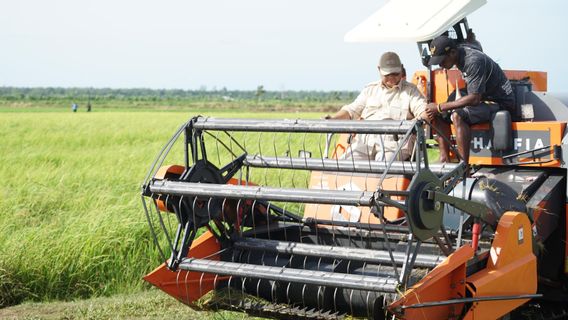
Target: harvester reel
{"x":333,"y":267}
{"x":424,"y":215}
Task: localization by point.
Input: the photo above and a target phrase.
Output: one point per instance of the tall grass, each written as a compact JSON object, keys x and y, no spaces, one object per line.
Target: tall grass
{"x":71,"y":223}
{"x":71,"y":219}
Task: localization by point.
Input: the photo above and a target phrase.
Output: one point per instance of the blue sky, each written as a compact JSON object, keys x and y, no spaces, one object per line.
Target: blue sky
{"x":283,"y":45}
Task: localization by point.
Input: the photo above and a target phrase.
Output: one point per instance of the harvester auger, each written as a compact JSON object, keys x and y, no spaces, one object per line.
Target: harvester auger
{"x":409,"y":238}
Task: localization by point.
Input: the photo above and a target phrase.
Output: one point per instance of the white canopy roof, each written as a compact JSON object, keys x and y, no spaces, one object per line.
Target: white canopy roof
{"x":412,"y":20}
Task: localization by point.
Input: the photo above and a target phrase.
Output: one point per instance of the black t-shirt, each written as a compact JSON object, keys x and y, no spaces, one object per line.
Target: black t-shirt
{"x":484,"y":76}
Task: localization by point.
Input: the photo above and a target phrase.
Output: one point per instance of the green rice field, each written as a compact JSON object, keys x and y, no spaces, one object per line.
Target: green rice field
{"x":72,"y":225}
{"x":71,"y":221}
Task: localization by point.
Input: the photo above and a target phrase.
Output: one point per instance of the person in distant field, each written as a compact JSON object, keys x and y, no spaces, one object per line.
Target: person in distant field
{"x":74,"y":107}
{"x":89,"y":107}
{"x":391,"y":98}
{"x":488,"y":91}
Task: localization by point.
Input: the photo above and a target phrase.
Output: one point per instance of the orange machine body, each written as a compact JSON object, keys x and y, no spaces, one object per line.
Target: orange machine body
{"x":443,"y":82}
{"x":509,"y":260}
{"x":185,"y":286}
{"x":353,"y":182}
{"x":526,"y":136}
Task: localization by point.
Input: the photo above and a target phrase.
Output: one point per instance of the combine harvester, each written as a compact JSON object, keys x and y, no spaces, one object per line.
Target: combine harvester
{"x":264,"y":216}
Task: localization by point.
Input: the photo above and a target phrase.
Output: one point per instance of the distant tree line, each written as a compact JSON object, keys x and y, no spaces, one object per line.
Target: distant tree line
{"x":144,"y":94}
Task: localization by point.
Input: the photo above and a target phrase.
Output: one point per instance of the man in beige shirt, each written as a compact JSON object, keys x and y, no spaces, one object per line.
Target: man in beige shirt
{"x":392,"y":98}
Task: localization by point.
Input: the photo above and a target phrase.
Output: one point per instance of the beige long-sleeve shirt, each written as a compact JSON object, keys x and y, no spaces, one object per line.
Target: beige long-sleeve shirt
{"x":377,"y":102}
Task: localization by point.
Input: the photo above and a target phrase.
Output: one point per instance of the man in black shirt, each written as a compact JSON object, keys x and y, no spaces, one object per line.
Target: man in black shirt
{"x":488,"y":91}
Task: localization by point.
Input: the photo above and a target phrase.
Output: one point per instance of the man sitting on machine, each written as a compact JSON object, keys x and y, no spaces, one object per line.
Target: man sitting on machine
{"x":392,"y":98}
{"x":488,"y":91}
